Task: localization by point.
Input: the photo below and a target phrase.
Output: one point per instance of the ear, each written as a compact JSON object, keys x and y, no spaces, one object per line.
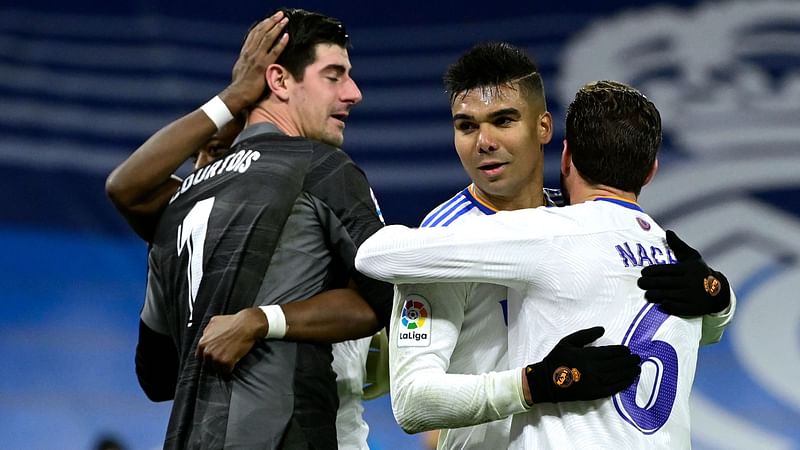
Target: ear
{"x":566,"y":160}
{"x":651,"y":174}
{"x":277,"y":78}
{"x":545,"y":127}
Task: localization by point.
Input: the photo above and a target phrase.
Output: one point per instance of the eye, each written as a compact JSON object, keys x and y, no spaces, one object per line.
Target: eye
{"x":465,"y":126}
{"x":334,"y":79}
{"x":503,"y":121}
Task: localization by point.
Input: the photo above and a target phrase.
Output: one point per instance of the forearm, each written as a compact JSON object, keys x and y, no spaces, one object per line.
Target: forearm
{"x":714,"y":324}
{"x":431,"y":399}
{"x":402,"y":255}
{"x":331,"y":316}
{"x":146,"y":174}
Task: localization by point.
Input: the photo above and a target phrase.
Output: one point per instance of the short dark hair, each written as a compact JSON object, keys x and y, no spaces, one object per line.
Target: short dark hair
{"x":306,"y":30}
{"x":614,"y":133}
{"x":493,"y":65}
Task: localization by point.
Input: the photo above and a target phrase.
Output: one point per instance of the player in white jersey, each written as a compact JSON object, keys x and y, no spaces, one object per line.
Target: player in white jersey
{"x":570,"y":268}
{"x":469,"y":336}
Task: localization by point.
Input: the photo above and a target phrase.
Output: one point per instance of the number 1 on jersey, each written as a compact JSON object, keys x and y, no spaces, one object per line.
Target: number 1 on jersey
{"x":192,"y":236}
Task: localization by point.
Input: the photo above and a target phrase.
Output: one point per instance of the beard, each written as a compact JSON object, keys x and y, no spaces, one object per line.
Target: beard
{"x":564,"y":191}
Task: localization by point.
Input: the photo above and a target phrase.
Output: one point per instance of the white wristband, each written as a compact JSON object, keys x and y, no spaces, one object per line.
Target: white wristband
{"x":276,"y":321}
{"x":218,"y":112}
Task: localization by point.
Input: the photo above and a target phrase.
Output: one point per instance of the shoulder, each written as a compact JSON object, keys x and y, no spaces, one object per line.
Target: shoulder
{"x":541,"y":221}
{"x":332,"y":162}
{"x":458,"y":207}
{"x":324,"y":151}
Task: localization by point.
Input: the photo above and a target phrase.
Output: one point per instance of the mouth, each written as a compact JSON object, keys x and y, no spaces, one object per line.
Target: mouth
{"x":492,"y":169}
{"x":341,"y":117}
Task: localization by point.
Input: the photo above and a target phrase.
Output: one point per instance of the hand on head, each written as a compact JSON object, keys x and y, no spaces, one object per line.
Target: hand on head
{"x":261,"y":48}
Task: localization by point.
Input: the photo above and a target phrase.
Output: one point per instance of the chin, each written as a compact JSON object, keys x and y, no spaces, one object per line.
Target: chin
{"x":333,"y":140}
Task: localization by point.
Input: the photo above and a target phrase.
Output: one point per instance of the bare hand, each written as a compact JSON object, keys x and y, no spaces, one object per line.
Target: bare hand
{"x":227,"y":338}
{"x":248,"y":78}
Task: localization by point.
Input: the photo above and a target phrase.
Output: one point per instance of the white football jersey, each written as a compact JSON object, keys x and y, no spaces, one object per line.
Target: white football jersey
{"x":465,"y":333}
{"x":349,"y":359}
{"x":568,"y":268}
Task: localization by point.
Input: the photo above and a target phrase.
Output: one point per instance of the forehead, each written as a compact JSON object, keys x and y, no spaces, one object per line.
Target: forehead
{"x":330,"y":55}
{"x":486,"y":99}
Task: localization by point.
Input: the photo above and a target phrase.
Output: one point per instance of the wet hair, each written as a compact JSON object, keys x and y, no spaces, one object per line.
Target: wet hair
{"x":614,"y":133}
{"x":494,"y":65}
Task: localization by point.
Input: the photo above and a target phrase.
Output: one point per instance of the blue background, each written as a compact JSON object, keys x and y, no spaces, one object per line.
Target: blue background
{"x":83,"y":83}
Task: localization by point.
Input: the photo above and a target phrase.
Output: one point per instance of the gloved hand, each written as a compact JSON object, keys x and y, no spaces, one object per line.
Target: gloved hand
{"x":688,"y":288}
{"x":574,"y":372}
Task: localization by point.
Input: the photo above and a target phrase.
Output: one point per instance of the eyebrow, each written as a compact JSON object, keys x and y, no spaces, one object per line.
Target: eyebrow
{"x":338,"y":68}
{"x":493,"y":115}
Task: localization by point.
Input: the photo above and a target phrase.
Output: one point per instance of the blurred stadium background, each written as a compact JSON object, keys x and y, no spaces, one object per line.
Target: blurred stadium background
{"x":83,"y":83}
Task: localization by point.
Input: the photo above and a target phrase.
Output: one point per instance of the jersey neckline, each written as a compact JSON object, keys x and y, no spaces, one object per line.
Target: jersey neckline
{"x":625,"y":203}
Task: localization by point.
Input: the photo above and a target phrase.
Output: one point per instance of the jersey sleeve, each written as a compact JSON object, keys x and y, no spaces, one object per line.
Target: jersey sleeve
{"x":714,"y":324}
{"x":351,"y":216}
{"x":157,"y":357}
{"x":426,"y":397}
{"x":491,"y":249}
{"x":153,"y":313}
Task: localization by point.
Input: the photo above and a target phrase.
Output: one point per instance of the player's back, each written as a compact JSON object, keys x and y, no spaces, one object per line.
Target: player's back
{"x":591,"y":255}
{"x":212,"y":249}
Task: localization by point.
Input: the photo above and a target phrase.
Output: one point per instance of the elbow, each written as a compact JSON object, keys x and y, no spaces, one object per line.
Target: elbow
{"x":406,"y":422}
{"x":411,"y":427}
{"x":157,"y":390}
{"x":366,"y":320}
{"x":115,"y":190}
{"x":156,"y":363}
{"x":155,"y":394}
{"x":411,"y":424}
{"x":406,"y":410}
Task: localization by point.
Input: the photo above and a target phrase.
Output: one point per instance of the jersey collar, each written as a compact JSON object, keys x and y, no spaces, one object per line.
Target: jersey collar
{"x":258,"y":128}
{"x":625,"y":203}
{"x":487,"y":207}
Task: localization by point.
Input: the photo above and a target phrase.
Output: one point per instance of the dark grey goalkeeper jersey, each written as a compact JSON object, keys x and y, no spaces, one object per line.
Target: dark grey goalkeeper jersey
{"x":278,"y":220}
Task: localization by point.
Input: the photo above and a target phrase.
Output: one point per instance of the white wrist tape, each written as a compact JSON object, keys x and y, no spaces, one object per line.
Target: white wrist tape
{"x":276,"y":320}
{"x":216,"y":110}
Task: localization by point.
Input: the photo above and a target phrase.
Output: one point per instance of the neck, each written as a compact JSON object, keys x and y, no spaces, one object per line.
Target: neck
{"x":275,"y":113}
{"x":532,"y":197}
{"x":584,"y":193}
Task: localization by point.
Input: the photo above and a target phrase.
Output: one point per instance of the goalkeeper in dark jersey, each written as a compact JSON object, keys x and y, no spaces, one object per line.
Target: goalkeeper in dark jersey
{"x":276,"y":220}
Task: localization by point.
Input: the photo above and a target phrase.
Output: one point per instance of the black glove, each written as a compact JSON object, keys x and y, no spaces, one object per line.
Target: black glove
{"x":688,"y":288}
{"x":574,"y":372}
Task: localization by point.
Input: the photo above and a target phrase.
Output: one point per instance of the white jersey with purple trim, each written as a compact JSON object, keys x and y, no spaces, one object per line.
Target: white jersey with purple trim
{"x":465,"y":333}
{"x":567,"y":269}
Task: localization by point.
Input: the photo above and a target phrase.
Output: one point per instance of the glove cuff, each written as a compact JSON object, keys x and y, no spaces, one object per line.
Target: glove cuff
{"x":538,"y":383}
{"x":718,"y":289}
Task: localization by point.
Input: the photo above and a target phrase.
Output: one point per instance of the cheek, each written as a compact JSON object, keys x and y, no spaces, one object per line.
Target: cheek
{"x":463,"y":150}
{"x":464,"y":143}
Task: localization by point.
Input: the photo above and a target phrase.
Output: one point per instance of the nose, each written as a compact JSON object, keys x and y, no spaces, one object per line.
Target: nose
{"x":486,"y":142}
{"x":351,"y":93}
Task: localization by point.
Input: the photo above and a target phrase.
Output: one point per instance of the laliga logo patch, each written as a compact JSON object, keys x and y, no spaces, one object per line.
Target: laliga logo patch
{"x":415,"y":329}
